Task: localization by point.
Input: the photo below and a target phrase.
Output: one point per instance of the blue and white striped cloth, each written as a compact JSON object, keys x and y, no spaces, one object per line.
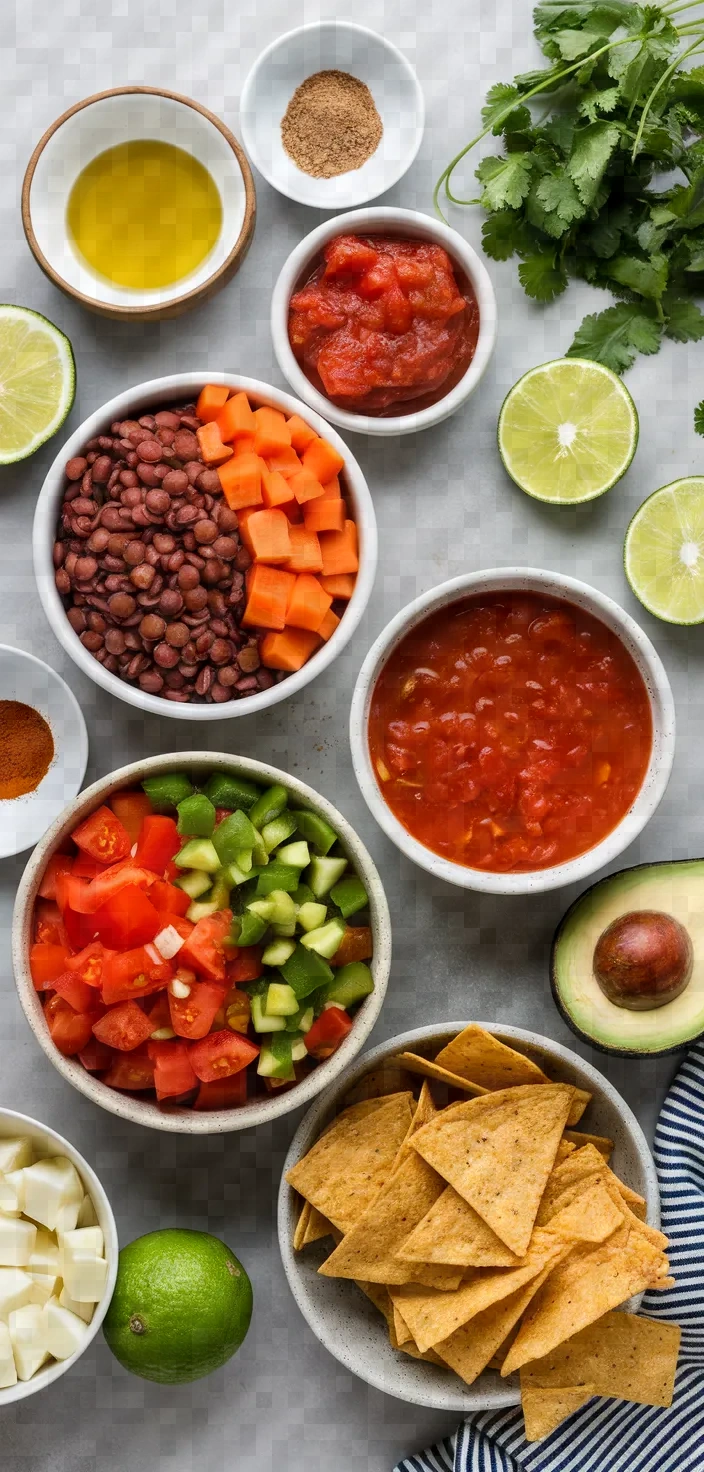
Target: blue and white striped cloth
{"x":611,"y":1435}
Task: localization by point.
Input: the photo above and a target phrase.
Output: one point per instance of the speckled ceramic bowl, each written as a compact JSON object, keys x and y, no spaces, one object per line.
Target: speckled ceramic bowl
{"x":339,"y":1315}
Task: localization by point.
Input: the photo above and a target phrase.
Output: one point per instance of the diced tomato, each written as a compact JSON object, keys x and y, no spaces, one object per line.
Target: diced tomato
{"x":128,"y":919}
{"x":124,"y":1027}
{"x":46,"y":962}
{"x":238,"y":1010}
{"x":131,"y":807}
{"x":70,"y":891}
{"x":356,"y":945}
{"x":223,"y":1093}
{"x":70,"y":1031}
{"x":192,"y":1016}
{"x":133,"y":973}
{"x":74,"y":991}
{"x":172,"y":872}
{"x":87,"y":896}
{"x":166,"y":896}
{"x":80,"y":929}
{"x":173,"y":1071}
{"x":158,"y":1009}
{"x":48,"y":925}
{"x":220,"y":1054}
{"x":246,"y":965}
{"x":95,"y":1056}
{"x":184,"y":927}
{"x":220,"y":814}
{"x":204,"y":948}
{"x":58,"y":864}
{"x":158,"y":841}
{"x":327,"y":1032}
{"x":131,"y":1072}
{"x":103,"y":837}
{"x":89,"y":963}
{"x":84,"y":867}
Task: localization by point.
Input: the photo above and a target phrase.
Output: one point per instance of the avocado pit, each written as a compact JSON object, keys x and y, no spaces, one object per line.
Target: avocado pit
{"x":643,"y":960}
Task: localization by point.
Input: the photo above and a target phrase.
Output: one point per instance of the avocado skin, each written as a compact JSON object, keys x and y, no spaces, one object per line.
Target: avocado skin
{"x":586,"y":1037}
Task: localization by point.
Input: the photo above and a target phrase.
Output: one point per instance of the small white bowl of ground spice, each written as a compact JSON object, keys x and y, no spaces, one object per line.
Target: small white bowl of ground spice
{"x":43,"y":748}
{"x":332,"y":114}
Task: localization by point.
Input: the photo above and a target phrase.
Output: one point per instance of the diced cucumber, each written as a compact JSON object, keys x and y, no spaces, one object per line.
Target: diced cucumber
{"x":312,"y":915}
{"x":226,"y":791}
{"x":280,"y":1000}
{"x":220,"y":892}
{"x":326,"y":940}
{"x":302,"y":1021}
{"x":196,"y":816}
{"x":200,"y":909}
{"x":315,"y":829}
{"x":236,"y":875}
{"x":168,"y":790}
{"x":323,"y":873}
{"x":260,"y":856}
{"x":297,"y":854}
{"x":286,"y":928}
{"x":250,"y":929}
{"x":233,"y":836}
{"x":299,"y":1050}
{"x":305,"y":971}
{"x":349,"y":896}
{"x":194,"y":883}
{"x":261,"y":1021}
{"x":199,"y":853}
{"x":268,"y":806}
{"x":277,"y":876}
{"x":244,"y":860}
{"x":278,"y":830}
{"x":277,"y":952}
{"x":280,"y":907}
{"x":262,"y":908}
{"x":276,"y":1059}
{"x":350,"y":985}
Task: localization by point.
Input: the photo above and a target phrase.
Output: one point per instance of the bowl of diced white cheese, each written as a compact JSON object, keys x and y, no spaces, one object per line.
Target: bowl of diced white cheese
{"x":58,"y":1255}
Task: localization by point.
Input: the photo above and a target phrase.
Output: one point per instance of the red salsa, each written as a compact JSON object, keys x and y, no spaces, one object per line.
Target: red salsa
{"x":510,"y":732}
{"x":384,"y":323}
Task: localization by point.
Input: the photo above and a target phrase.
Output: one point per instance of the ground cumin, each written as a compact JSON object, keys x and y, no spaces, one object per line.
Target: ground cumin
{"x":26,"y":748}
{"x":331,"y":125}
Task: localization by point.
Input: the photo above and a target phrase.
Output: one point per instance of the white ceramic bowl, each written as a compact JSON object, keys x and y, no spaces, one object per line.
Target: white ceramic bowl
{"x":555,"y":585}
{"x":124,"y":115}
{"x":343,"y":1320}
{"x":341,"y":46}
{"x":47,"y":1142}
{"x":160,"y":392}
{"x":24,"y":819}
{"x":131,"y":1106}
{"x":412,"y":225}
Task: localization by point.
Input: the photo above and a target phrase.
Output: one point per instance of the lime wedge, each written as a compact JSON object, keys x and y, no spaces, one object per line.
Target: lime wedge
{"x":37,"y":381}
{"x":664,"y":552}
{"x":568,"y":431}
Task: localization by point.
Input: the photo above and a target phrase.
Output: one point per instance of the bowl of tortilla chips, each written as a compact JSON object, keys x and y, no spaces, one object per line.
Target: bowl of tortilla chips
{"x":463,"y":1219}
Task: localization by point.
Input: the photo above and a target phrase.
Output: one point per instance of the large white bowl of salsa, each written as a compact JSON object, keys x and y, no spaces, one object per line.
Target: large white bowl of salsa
{"x":512,"y":730}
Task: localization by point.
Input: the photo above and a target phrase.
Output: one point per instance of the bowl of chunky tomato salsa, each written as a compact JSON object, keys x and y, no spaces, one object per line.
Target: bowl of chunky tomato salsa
{"x":384,"y":320}
{"x":512,"y":730}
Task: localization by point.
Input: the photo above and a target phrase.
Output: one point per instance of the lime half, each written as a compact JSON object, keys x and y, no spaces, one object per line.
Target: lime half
{"x":37,"y":381}
{"x":664,"y":552}
{"x":568,"y":431}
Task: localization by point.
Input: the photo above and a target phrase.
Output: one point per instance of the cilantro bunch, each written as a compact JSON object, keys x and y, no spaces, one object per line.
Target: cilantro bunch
{"x":578,"y":190}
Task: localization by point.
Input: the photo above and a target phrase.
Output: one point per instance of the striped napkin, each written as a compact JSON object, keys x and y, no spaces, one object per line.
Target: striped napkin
{"x":612,"y":1435}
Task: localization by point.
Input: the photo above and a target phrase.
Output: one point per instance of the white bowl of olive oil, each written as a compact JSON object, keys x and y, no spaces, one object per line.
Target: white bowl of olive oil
{"x":138,"y":203}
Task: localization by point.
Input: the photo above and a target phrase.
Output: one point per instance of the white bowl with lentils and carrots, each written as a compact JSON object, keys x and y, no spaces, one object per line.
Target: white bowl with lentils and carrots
{"x":147,"y":574}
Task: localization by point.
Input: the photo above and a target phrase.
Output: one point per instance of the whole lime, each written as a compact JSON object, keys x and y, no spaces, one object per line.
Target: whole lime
{"x":181,"y":1306}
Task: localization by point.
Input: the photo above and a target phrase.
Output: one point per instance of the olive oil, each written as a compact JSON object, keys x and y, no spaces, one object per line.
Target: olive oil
{"x":144,"y":214}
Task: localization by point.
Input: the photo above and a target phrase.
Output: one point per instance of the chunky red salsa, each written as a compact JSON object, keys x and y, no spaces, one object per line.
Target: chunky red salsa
{"x":510,"y":732}
{"x":383,"y":323}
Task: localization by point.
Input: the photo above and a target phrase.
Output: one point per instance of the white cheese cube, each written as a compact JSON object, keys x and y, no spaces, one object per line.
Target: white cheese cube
{"x":44,"y":1261}
{"x":15,"y":1290}
{"x":81,"y":1241}
{"x":85,"y":1311}
{"x":28,"y":1335}
{"x":17,"y":1239}
{"x":65,"y":1332}
{"x":12,"y":1193}
{"x":8,"y":1372}
{"x":43,"y":1289}
{"x":15,"y":1154}
{"x":53,"y":1193}
{"x":86,"y":1213}
{"x":85,"y":1276}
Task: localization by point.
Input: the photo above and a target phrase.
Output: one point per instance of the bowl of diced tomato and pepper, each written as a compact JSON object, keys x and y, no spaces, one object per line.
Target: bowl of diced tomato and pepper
{"x":201,"y":943}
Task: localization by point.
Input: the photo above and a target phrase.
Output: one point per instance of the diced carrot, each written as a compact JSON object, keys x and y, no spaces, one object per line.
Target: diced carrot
{"x":211,"y":400}
{"x":294,"y":512}
{"x":322,"y":460}
{"x":243,"y":445}
{"x":275,"y":490}
{"x":271,"y":431}
{"x":306,"y":555}
{"x":236,"y":418}
{"x":328,"y":626}
{"x":243,"y":518}
{"x":331,"y":489}
{"x":284,"y":459}
{"x":339,"y":550}
{"x":268,"y":593}
{"x":212,"y":449}
{"x":341,"y":585}
{"x":241,"y":481}
{"x":288,"y":650}
{"x":308,"y":603}
{"x":301,"y":433}
{"x":269,"y":533}
{"x":305,"y":487}
{"x":323,"y":515}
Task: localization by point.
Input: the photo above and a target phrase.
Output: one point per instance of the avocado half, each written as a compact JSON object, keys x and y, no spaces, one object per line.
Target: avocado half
{"x":675,"y":887}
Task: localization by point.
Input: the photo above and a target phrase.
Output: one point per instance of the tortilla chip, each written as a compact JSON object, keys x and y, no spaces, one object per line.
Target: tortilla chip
{"x":386,"y":1079}
{"x":631,"y":1198}
{"x":346,"y":1168}
{"x":424,"y":1111}
{"x":623,"y":1355}
{"x":475,"y":1055}
{"x":453,"y":1232}
{"x":473,"y":1346}
{"x":586,"y":1285}
{"x":301,"y":1227}
{"x":498,"y":1152}
{"x":545,"y":1410}
{"x":564,"y":1149}
{"x":613,"y":1186}
{"x":591,"y":1216}
{"x":379,"y":1296}
{"x":318,"y":1227}
{"x":571,"y":1173}
{"x":579,"y":1103}
{"x":369,"y":1249}
{"x":367,"y":1106}
{"x":410,"y":1347}
{"x":427,"y":1069}
{"x":402,"y":1331}
{"x":600,"y":1142}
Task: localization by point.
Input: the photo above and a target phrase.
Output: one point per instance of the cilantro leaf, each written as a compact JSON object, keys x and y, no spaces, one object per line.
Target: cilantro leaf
{"x":541,"y":278}
{"x":506,"y":180}
{"x":499,"y":97}
{"x":598,"y":100}
{"x":559,"y":198}
{"x":572,"y":44}
{"x":591,"y":151}
{"x":699,"y":418}
{"x":647,"y":277}
{"x":502,"y":234}
{"x":638,"y":64}
{"x":684,"y":320}
{"x":613,"y":337}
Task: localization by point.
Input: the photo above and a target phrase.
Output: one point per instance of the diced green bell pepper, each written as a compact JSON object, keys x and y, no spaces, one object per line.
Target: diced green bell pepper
{"x":280,"y":1000}
{"x":349,"y":896}
{"x":261,"y":1021}
{"x":276,"y":1058}
{"x":248,"y":929}
{"x":199,"y":853}
{"x":350,"y":985}
{"x":269,"y":805}
{"x":220,"y":892}
{"x":196,"y":816}
{"x":323,"y":873}
{"x":303,"y":895}
{"x":305,"y":971}
{"x":226,"y":791}
{"x":233,"y":836}
{"x":244,"y":861}
{"x":315,"y":829}
{"x":236,"y":875}
{"x":277,"y":876}
{"x":303,"y":1019}
{"x":297,"y":854}
{"x":312,"y":915}
{"x":168,"y":790}
{"x":260,"y":856}
{"x":278,"y":830}
{"x":194,"y":883}
{"x":326,"y":940}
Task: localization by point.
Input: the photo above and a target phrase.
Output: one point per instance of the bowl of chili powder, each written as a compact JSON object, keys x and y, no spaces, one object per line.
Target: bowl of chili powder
{"x":43,"y":748}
